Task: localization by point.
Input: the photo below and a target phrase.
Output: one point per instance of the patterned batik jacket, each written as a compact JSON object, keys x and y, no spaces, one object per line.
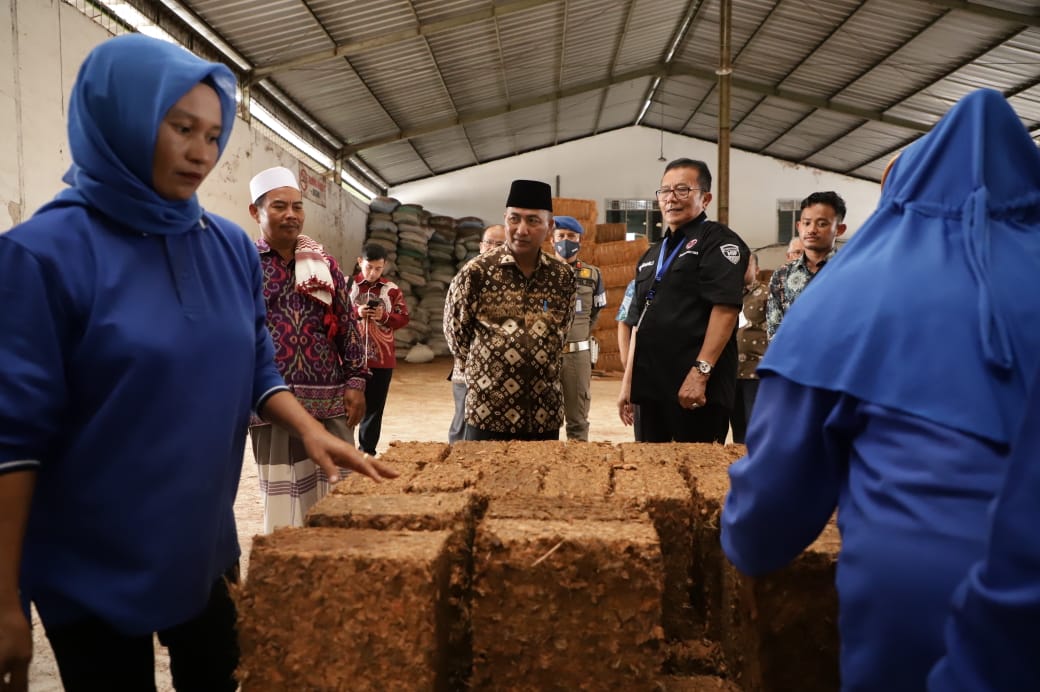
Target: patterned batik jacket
{"x":751,"y":338}
{"x":787,"y":284}
{"x":507,"y":333}
{"x":317,"y":349}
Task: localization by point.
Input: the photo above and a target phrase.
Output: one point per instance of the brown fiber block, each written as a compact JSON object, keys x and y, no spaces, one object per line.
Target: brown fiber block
{"x":706,"y":467}
{"x":563,"y":509}
{"x":512,"y":477}
{"x":345,"y":609}
{"x":649,"y":477}
{"x":413,"y":512}
{"x":782,"y":631}
{"x":584,"y":470}
{"x":442,"y":477}
{"x":696,"y":683}
{"x":421,"y":453}
{"x":466,"y":452}
{"x":356,"y":484}
{"x":518,"y":472}
{"x":566,"y":605}
{"x":456,"y":513}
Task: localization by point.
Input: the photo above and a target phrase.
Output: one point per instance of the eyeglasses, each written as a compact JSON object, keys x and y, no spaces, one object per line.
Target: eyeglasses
{"x":681,"y":191}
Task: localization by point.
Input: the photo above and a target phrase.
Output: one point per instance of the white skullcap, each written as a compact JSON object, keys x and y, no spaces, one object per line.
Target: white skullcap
{"x":271,"y":179}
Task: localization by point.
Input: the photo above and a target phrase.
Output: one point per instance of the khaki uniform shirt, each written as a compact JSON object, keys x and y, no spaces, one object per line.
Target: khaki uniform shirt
{"x":591,"y":298}
{"x":507,"y":333}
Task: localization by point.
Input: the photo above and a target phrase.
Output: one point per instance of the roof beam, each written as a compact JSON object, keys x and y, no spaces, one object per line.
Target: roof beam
{"x":613,"y":62}
{"x":379,"y":102}
{"x":991,"y":12}
{"x":343,"y":50}
{"x":877,"y":64}
{"x":652,"y":71}
{"x":476,"y":116}
{"x":736,"y":58}
{"x":793,"y":96}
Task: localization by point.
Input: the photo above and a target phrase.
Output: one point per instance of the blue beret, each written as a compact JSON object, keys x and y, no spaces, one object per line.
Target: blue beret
{"x":568,"y":223}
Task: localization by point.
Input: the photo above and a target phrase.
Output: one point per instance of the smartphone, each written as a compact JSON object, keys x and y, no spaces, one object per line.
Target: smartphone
{"x":374,"y":303}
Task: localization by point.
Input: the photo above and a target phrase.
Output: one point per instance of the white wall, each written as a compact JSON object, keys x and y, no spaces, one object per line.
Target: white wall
{"x":38,"y":66}
{"x":623,"y":164}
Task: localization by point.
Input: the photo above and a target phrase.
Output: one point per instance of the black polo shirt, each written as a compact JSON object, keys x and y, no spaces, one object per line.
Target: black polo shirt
{"x":708,"y":271}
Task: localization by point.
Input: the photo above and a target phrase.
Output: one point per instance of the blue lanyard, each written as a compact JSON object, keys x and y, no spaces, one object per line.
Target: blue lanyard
{"x":662,"y":268}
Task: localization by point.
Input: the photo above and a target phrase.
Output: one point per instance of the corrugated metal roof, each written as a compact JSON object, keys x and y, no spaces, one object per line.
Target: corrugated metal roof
{"x":420,"y":87}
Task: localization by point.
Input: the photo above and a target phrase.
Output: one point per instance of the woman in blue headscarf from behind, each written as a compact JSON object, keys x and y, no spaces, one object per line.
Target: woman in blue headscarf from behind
{"x":134,"y":347}
{"x":893,"y":389}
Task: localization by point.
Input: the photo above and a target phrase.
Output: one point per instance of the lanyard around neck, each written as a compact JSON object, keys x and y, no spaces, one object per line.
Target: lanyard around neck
{"x":662,"y":267}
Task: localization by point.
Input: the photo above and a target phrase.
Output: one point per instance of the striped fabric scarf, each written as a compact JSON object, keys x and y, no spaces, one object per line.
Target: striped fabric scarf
{"x":312,"y":270}
{"x":313,"y":278}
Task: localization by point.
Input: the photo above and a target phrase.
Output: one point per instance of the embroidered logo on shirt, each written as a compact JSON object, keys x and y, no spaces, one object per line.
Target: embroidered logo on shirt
{"x":731,"y":252}
{"x":691,"y":243}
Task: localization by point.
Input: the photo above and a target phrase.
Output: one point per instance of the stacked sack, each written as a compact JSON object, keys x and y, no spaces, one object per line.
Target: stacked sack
{"x":383,"y":231}
{"x":412,"y":239}
{"x":468,"y":231}
{"x":425,"y":251}
{"x":442,"y":271}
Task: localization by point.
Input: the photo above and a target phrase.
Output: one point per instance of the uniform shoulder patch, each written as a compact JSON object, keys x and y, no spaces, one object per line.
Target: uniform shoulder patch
{"x":585,"y":273}
{"x":730,"y":252}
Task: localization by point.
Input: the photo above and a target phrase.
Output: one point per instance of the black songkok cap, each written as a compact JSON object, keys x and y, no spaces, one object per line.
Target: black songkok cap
{"x":530,"y":194}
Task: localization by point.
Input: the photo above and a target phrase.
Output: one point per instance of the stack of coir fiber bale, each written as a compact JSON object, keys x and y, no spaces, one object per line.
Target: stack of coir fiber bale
{"x":540,"y":565}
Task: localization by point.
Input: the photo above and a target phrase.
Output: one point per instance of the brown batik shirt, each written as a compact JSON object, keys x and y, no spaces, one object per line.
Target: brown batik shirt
{"x":507,"y":333}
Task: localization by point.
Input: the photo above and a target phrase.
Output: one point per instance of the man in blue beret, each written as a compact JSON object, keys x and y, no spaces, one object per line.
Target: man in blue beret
{"x":577,"y":354}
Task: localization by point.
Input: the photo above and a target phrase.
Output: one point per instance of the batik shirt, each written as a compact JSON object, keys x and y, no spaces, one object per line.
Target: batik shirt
{"x":787,"y":284}
{"x":751,"y":338}
{"x":317,"y":348}
{"x":507,"y":333}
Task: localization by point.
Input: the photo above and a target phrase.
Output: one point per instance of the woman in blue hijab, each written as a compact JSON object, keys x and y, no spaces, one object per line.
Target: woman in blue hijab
{"x":893,"y":389}
{"x":134,"y":347}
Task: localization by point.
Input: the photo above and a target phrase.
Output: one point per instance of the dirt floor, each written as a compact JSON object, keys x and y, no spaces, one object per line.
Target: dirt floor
{"x":419,"y":407}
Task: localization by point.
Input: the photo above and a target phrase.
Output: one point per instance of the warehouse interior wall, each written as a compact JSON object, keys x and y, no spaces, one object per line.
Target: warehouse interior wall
{"x":623,"y":164}
{"x":42,"y":43}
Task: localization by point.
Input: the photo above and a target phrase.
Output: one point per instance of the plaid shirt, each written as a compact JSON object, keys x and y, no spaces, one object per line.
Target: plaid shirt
{"x":787,"y":284}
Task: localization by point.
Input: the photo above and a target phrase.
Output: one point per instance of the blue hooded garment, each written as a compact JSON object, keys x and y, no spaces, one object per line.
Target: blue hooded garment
{"x":893,"y":388}
{"x":926,"y":309}
{"x":992,"y":638}
{"x":134,"y":348}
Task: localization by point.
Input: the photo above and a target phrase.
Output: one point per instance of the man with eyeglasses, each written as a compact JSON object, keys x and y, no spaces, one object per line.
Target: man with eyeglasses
{"x":494,"y":237}
{"x":820,"y":224}
{"x":506,"y":319}
{"x":689,"y":289}
{"x":795,"y":249}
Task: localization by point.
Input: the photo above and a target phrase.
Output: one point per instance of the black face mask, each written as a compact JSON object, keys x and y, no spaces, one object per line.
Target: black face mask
{"x":566,"y":248}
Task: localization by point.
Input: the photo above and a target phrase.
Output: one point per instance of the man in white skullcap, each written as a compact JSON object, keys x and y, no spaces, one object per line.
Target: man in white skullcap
{"x":317,"y":346}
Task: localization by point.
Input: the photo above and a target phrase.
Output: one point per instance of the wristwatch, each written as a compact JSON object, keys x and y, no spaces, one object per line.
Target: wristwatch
{"x":704,"y":366}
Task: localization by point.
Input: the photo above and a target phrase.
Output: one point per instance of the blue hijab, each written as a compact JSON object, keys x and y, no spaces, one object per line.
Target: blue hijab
{"x":122,"y":93}
{"x":933,"y":307}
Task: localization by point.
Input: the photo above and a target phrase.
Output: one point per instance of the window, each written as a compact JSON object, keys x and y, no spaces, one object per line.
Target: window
{"x":787,"y":212}
{"x":640,"y":216}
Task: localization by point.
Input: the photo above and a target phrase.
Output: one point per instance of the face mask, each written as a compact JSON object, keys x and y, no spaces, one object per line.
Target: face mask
{"x":566,"y":248}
